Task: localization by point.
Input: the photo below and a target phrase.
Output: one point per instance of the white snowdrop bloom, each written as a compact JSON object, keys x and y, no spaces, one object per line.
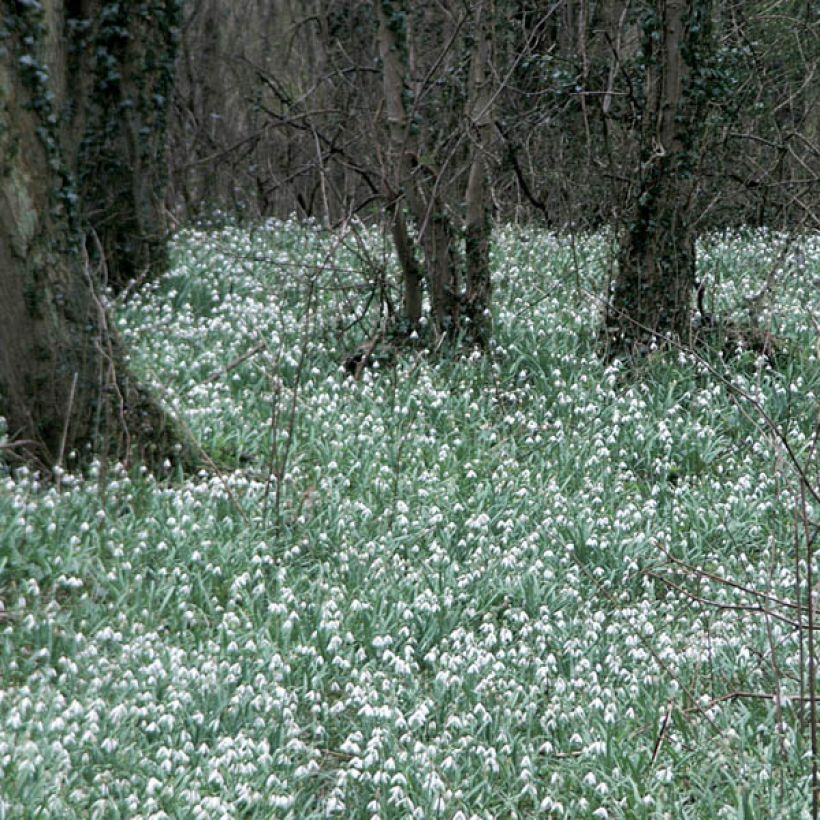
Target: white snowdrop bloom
{"x":665,"y":775}
{"x":351,"y":744}
{"x":479,"y":522}
{"x":491,"y":760}
{"x":550,"y":805}
{"x":396,"y":796}
{"x":418,"y":718}
{"x":433,"y":782}
{"x":14,"y":721}
{"x":381,"y":641}
{"x":334,"y":806}
{"x":110,"y":745}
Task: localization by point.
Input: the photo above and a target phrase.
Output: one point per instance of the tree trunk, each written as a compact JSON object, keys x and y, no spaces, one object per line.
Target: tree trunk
{"x":411,"y":180}
{"x":128,"y":54}
{"x":64,"y":385}
{"x":411,"y":176}
{"x":401,"y":145}
{"x":478,"y":227}
{"x":411,"y":272}
{"x":441,"y":256}
{"x":652,"y":298}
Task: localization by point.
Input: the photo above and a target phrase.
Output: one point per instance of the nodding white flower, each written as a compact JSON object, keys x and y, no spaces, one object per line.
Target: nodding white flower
{"x":480,"y":522}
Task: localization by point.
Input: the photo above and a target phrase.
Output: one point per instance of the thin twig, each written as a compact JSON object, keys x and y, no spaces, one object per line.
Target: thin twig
{"x":725,"y":581}
{"x":719,"y":605}
{"x":69,"y":409}
{"x":815,"y":786}
{"x":662,"y":734}
{"x":235,"y":363}
{"x":741,"y":695}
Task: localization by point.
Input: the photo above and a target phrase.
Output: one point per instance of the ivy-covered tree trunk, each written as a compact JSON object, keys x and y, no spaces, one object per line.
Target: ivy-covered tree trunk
{"x":411,"y":272}
{"x":656,"y":260}
{"x":64,"y":382}
{"x":123,"y":55}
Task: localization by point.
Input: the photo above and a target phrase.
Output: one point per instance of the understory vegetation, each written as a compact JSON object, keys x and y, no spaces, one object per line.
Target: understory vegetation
{"x":518,"y":583}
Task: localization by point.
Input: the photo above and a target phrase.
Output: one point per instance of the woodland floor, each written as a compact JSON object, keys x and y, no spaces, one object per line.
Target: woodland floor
{"x":517,"y":584}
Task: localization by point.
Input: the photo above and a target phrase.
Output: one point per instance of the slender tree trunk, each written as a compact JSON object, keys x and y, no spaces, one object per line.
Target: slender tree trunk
{"x":414,"y":180}
{"x":478,"y":226}
{"x":64,"y":383}
{"x":410,"y":268}
{"x":656,"y":261}
{"x":401,"y":145}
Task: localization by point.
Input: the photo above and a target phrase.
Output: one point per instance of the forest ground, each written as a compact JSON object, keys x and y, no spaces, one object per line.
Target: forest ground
{"x":511,"y":584}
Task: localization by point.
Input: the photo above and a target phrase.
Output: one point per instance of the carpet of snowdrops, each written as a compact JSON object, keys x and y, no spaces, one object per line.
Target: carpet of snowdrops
{"x":515,"y":584}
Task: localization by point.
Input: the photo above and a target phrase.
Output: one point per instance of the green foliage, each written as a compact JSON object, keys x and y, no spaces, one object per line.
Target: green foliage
{"x":462,"y":608}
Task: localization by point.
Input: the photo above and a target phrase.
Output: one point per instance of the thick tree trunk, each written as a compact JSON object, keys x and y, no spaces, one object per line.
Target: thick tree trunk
{"x":64,"y":385}
{"x":656,"y":260}
{"x":126,"y":57}
{"x":441,"y":256}
{"x":406,"y":180}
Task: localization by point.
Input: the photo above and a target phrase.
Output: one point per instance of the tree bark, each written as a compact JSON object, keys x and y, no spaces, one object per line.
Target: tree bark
{"x":411,"y":272}
{"x":411,"y":176}
{"x":64,"y":383}
{"x":401,"y":145}
{"x":478,"y":226}
{"x":125,"y":58}
{"x":652,"y":297}
{"x":413,"y":180}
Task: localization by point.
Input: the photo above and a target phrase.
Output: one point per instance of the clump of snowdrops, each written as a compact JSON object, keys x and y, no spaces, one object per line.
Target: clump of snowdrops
{"x":494,"y":586}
